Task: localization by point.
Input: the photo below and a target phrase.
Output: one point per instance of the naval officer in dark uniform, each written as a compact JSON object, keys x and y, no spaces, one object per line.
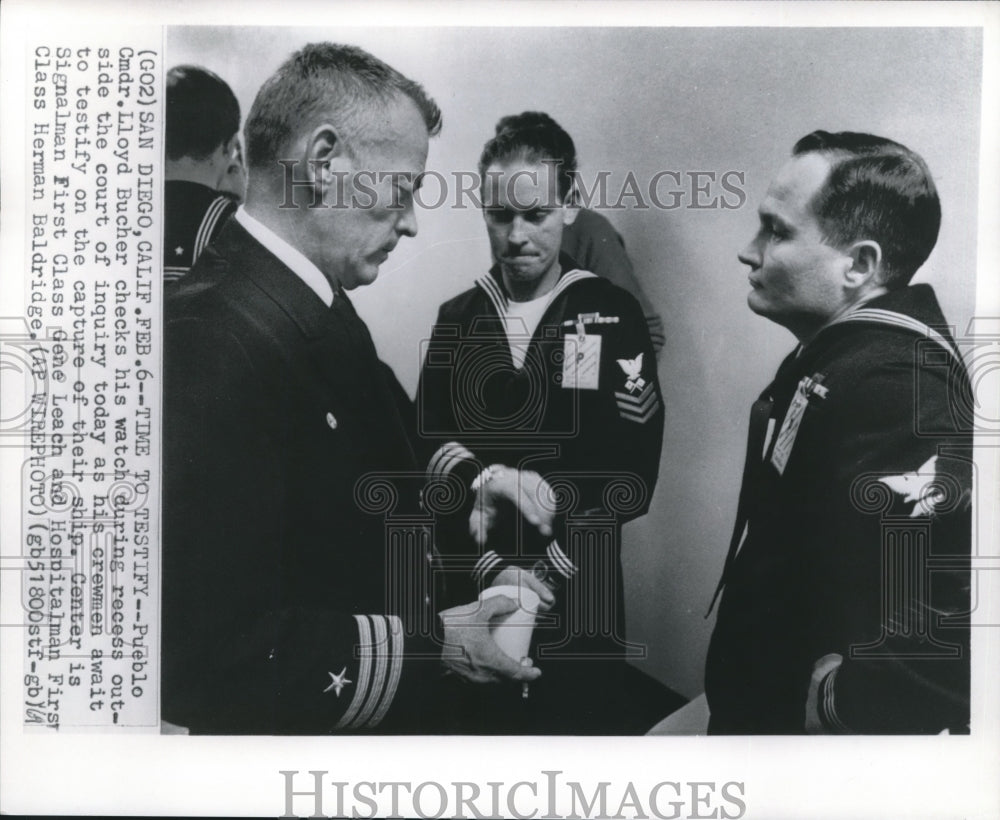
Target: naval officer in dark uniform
{"x":284,"y":436}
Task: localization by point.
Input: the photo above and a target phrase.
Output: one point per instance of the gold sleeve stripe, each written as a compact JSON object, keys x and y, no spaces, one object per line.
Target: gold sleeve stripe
{"x":364,"y":672}
{"x":380,"y":649}
{"x":397,"y":638}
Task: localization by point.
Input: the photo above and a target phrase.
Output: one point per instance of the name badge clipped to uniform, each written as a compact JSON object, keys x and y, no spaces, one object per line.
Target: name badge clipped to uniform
{"x":808,"y":386}
{"x":581,"y":360}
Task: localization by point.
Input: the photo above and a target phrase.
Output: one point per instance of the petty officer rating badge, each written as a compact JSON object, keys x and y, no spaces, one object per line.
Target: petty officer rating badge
{"x":633,"y":369}
{"x":640,"y":403}
{"x":338,"y":682}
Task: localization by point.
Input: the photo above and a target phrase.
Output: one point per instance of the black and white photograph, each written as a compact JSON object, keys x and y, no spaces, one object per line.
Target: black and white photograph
{"x":501,"y":410}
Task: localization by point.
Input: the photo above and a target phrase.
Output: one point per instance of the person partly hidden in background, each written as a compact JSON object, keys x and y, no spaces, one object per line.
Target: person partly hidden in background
{"x":594,"y":244}
{"x":539,"y":388}
{"x":205,"y":172}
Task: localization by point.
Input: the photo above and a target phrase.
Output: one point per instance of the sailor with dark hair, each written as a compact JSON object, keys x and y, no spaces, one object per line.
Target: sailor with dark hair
{"x":594,"y":244}
{"x":845,"y":594}
{"x":539,"y":393}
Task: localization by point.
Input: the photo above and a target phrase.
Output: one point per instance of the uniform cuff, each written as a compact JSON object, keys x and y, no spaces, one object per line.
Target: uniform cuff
{"x":560,"y":561}
{"x":490,"y":564}
{"x":827,"y":707}
{"x":446,"y":458}
{"x":380,"y":664}
{"x":487,"y":568}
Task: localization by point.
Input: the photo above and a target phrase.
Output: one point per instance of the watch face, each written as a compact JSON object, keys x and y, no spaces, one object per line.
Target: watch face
{"x":541,"y":571}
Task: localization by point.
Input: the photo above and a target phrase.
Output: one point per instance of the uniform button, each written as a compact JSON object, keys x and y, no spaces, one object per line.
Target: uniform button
{"x":331,"y":420}
{"x":427,"y":600}
{"x":430,"y":558}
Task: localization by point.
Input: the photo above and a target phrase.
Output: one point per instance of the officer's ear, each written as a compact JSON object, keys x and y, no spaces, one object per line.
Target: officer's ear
{"x":866,"y":264}
{"x":326,"y":155}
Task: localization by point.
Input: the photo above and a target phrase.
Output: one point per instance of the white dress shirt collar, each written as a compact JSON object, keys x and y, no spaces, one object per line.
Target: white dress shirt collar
{"x":290,"y":257}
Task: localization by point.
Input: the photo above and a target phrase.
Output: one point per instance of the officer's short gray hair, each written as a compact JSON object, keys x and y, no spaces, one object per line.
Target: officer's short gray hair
{"x":331,"y":82}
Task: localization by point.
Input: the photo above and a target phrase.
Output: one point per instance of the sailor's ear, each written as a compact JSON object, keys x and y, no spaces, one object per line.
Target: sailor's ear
{"x":865,"y":269}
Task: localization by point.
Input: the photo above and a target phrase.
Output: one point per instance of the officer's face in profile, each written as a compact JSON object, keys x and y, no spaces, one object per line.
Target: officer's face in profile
{"x":368,"y":191}
{"x":796,"y":277}
{"x":525,"y":217}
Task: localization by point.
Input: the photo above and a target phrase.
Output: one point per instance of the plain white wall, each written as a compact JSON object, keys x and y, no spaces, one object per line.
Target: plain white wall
{"x":646,"y":100}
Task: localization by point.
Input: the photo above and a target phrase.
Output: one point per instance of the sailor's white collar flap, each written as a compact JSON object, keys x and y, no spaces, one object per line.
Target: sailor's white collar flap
{"x":501,"y":301}
{"x":892,"y":318}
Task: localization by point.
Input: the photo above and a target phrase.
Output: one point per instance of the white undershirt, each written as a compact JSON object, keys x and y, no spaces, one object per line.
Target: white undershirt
{"x":520,"y":323}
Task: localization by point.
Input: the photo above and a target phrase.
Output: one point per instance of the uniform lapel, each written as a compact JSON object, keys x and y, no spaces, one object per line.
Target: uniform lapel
{"x":282,"y":286}
{"x":337,"y":347}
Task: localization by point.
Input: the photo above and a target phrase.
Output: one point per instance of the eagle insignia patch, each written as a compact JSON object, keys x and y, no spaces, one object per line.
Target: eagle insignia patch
{"x":633,"y":370}
{"x":917,"y":488}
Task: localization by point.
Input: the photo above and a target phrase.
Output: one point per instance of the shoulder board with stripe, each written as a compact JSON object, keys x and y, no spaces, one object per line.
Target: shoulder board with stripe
{"x":891,"y":318}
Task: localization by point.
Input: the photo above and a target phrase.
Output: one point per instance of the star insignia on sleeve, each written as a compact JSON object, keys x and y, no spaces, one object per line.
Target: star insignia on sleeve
{"x":917,"y":488}
{"x":337,"y":682}
{"x":178,"y":251}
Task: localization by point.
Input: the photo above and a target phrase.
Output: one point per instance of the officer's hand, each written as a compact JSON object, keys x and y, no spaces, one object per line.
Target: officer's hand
{"x":470,"y":650}
{"x":515,"y":576}
{"x":526,"y":490}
